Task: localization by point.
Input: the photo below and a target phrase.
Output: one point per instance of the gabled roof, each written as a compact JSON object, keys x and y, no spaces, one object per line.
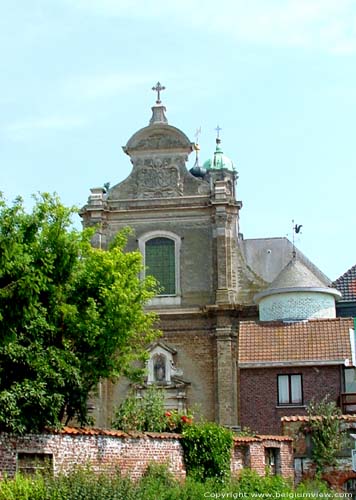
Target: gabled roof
{"x":314,"y":342}
{"x":346,"y":284}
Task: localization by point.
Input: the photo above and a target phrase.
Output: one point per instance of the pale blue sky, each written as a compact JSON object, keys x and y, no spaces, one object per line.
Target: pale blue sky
{"x":279,"y":77}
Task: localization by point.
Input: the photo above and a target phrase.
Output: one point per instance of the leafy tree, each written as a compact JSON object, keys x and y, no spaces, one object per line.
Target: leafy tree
{"x":70,"y":315}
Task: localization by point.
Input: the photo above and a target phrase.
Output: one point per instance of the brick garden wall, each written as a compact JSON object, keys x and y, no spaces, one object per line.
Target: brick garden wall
{"x":110,"y":451}
{"x":104,"y":453}
{"x":337,"y":475}
{"x":251,"y":452}
{"x":258,"y":394}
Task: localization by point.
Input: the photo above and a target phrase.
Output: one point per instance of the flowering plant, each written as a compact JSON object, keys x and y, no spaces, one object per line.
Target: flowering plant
{"x":176,"y":420}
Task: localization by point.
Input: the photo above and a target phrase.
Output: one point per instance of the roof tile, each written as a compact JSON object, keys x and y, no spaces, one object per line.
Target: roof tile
{"x":315,"y":340}
{"x":346,"y":284}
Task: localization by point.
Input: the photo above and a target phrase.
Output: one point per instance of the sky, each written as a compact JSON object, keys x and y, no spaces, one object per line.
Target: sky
{"x":278,"y":76}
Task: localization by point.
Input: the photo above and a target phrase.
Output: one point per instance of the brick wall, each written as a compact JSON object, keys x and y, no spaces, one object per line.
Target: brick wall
{"x":251,"y":452}
{"x":110,"y":451}
{"x":104,"y":453}
{"x":258,"y":394}
{"x":337,"y":475}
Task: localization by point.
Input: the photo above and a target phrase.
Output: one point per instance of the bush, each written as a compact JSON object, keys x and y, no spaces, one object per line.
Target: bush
{"x":251,"y":482}
{"x":324,"y":428}
{"x":157,"y":484}
{"x":177,"y":420}
{"x":207,"y":450}
{"x":148,"y":414}
{"x":142,"y":414}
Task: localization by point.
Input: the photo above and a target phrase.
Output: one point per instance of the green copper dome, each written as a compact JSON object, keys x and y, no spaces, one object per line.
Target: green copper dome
{"x":219,"y":160}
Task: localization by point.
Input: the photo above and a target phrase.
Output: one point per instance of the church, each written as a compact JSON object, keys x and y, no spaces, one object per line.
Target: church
{"x":249,"y":330}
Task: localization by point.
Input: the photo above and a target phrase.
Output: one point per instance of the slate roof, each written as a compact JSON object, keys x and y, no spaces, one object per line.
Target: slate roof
{"x":296,"y":274}
{"x":319,"y":341}
{"x":346,"y":284}
{"x":268,"y":256}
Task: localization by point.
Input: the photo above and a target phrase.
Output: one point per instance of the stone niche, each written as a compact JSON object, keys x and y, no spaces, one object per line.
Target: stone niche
{"x":165,"y":375}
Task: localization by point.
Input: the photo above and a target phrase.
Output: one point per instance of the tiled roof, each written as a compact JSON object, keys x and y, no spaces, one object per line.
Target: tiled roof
{"x":91,"y":431}
{"x":305,"y":418}
{"x":306,"y":341}
{"x":346,"y":284}
{"x":269,"y":437}
{"x":258,"y":438}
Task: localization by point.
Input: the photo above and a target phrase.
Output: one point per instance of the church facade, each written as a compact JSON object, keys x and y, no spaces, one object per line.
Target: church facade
{"x":186,"y":225}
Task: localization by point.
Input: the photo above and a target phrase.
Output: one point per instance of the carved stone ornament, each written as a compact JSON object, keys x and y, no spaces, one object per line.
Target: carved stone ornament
{"x":158,"y":179}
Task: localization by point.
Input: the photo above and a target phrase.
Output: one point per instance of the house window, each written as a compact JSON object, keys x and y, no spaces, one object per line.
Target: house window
{"x":32,"y":463}
{"x":290,"y":390}
{"x":350,"y":380}
{"x":160,"y":263}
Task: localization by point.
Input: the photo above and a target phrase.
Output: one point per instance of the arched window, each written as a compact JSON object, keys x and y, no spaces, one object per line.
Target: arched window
{"x":160,"y":263}
{"x":161,"y":254}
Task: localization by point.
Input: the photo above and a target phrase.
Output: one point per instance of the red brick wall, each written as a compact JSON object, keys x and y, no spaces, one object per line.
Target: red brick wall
{"x":102,"y":453}
{"x":336,"y":476}
{"x":258,"y":394}
{"x":131,"y":455}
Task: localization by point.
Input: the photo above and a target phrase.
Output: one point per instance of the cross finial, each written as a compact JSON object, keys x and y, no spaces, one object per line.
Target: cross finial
{"x":158,"y":88}
{"x":197,"y":134}
{"x":218,"y":131}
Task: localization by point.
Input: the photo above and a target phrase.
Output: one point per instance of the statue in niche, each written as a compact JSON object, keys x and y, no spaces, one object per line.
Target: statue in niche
{"x":159,"y":368}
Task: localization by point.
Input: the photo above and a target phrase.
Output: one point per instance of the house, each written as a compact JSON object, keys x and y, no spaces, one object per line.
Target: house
{"x":297,"y":351}
{"x":346,"y":284}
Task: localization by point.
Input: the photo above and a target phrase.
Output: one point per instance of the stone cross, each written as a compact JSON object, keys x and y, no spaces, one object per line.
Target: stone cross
{"x":218,"y":131}
{"x":158,"y":88}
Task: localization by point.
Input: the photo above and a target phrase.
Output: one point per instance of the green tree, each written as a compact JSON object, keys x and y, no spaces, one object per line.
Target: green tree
{"x":70,"y":315}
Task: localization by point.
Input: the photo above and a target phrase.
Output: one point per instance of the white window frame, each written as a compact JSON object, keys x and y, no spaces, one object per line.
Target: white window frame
{"x":142,"y":240}
{"x":290,"y":402}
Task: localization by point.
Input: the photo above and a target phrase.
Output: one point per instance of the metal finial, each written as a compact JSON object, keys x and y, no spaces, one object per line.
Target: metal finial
{"x":197,"y":134}
{"x":158,"y":88}
{"x":218,"y":131}
{"x":296,"y":230}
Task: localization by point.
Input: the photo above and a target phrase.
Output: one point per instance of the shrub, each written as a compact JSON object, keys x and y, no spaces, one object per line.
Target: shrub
{"x":177,"y":420}
{"x":148,"y":414}
{"x":207,"y":450}
{"x":142,"y":414}
{"x":157,"y":484}
{"x":324,"y":428}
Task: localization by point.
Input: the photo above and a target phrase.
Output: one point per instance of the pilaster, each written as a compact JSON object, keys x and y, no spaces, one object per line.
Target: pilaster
{"x":226,"y":376}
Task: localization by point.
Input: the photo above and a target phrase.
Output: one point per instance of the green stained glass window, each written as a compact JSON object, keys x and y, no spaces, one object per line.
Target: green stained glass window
{"x":160,"y":263}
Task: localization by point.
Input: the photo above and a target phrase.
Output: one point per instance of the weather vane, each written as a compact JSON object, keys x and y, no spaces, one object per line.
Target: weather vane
{"x":296,"y":230}
{"x":158,"y":88}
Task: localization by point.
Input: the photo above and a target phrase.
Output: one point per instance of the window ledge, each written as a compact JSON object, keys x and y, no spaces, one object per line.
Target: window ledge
{"x":279,"y":407}
{"x":165,"y":300}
